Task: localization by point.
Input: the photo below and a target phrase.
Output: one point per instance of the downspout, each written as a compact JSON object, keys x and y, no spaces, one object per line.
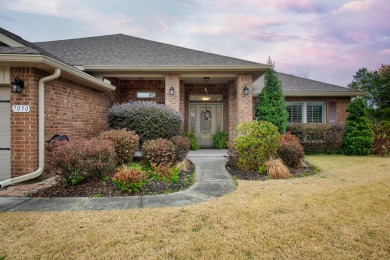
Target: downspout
{"x":41,"y":133}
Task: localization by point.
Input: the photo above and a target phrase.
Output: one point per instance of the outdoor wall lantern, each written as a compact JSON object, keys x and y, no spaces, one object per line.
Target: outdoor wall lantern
{"x":246,"y":90}
{"x":171,"y":91}
{"x":17,"y":85}
{"x":206,"y":79}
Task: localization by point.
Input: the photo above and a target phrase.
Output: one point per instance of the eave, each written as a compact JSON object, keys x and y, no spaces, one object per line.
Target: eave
{"x":48,"y":64}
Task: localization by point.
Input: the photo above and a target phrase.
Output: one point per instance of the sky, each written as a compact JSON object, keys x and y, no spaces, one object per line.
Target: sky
{"x":324,"y":40}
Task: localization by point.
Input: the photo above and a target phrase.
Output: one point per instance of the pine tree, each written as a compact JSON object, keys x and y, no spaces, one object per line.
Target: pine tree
{"x":358,"y":136}
{"x":272,"y":107}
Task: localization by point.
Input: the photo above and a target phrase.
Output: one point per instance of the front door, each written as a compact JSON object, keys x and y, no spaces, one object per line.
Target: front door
{"x":204,"y":121}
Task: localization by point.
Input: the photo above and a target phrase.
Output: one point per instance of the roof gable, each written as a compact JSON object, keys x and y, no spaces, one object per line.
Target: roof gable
{"x":124,"y":50}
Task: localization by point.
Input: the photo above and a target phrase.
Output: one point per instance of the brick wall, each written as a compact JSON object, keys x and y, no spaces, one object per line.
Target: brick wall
{"x":70,"y":108}
{"x":244,"y":102}
{"x":172,"y":101}
{"x":127,"y":89}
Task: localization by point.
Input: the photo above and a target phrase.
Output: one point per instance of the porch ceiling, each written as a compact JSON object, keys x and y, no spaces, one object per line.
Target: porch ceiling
{"x":187,"y":78}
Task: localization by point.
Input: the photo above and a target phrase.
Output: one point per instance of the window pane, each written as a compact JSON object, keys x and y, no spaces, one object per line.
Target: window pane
{"x":205,"y":97}
{"x":294,"y":113}
{"x":314,"y":113}
{"x":146,"y":94}
{"x":332,"y":112}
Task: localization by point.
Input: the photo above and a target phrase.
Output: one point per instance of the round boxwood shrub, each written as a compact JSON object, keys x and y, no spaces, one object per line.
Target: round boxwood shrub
{"x":125,"y":143}
{"x":290,"y":151}
{"x":256,"y":143}
{"x":148,"y":119}
{"x":358,"y":136}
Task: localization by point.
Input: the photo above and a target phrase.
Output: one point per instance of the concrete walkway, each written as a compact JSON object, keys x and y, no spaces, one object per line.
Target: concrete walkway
{"x":211,"y":181}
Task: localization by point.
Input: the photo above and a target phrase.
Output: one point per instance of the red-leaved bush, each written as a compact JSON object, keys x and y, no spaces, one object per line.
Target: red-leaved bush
{"x":125,"y":143}
{"x":318,"y":138}
{"x":159,"y":152}
{"x":129,"y":179}
{"x":84,"y":158}
{"x":382,"y":138}
{"x":182,"y":147}
{"x":290,"y":150}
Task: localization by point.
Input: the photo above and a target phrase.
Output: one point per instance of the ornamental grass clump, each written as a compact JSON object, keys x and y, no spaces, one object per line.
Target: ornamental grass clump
{"x":78,"y":160}
{"x":125,"y":143}
{"x":256,"y":142}
{"x":277,"y":170}
{"x":290,"y":151}
{"x":148,"y":119}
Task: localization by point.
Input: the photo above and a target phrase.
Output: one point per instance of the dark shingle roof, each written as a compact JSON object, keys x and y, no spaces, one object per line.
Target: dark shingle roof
{"x":124,"y":50}
{"x":291,"y":84}
{"x":30,"y":48}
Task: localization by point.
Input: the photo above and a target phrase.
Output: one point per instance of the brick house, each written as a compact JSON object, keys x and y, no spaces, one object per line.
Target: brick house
{"x":70,"y":84}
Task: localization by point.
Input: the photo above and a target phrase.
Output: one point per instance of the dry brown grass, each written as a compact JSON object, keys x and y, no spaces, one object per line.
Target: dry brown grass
{"x":277,"y":170}
{"x":341,"y":213}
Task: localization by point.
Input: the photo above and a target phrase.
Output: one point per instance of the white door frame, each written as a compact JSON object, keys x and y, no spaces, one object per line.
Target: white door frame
{"x":197,"y":117}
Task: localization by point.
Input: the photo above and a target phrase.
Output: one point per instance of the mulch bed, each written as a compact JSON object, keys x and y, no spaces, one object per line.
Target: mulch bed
{"x":95,"y":187}
{"x":305,"y":170}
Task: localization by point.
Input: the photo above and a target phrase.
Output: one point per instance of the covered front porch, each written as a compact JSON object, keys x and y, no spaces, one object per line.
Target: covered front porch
{"x":209,"y":102}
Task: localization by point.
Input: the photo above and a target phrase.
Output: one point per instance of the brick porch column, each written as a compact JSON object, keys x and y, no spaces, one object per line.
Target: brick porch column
{"x":172,"y":101}
{"x":244,"y":102}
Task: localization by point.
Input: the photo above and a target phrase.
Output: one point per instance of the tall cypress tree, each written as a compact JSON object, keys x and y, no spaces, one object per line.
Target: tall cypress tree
{"x":358,"y":137}
{"x":272,"y":107}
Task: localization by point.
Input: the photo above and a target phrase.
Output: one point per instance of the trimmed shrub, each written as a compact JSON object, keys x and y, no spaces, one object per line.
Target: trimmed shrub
{"x":219,"y":139}
{"x":125,"y":143}
{"x":358,"y":136}
{"x":256,"y":142}
{"x":277,"y":170}
{"x":290,"y":151}
{"x":159,"y":152}
{"x":148,"y":119}
{"x":77,"y":160}
{"x":182,"y":147}
{"x":193,"y":141}
{"x":272,"y":107}
{"x":129,"y":179}
{"x":382,"y":138}
{"x":318,"y":138}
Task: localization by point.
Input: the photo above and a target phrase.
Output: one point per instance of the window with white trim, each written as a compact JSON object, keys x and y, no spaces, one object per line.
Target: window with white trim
{"x":315,"y":113}
{"x":306,"y":112}
{"x":294,"y":111}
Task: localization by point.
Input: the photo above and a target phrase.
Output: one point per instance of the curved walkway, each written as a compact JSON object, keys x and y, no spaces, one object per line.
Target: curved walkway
{"x":211,"y":181}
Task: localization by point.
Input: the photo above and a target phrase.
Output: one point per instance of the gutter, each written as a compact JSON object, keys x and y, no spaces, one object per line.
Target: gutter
{"x":41,"y":133}
{"x":177,"y":68}
{"x":322,"y":94}
{"x":25,"y":60}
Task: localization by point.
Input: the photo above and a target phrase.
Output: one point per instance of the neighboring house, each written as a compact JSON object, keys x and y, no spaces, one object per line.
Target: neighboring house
{"x":70,"y":84}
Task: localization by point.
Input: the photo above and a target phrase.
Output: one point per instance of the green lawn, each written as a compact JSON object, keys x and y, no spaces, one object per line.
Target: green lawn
{"x":341,"y":213}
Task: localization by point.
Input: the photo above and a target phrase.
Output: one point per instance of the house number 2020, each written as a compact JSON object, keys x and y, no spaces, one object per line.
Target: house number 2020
{"x":21,"y":108}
